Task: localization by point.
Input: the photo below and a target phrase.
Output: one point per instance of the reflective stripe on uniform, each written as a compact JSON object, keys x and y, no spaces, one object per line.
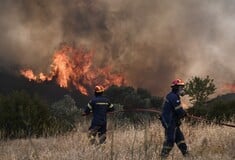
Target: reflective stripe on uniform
{"x":89,"y":106}
{"x":102,"y":103}
{"x":111,"y":106}
{"x":180,"y":142}
{"x":178,"y":107}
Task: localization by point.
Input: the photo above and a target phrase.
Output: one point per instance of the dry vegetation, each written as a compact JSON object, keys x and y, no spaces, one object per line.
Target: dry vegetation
{"x":124,"y":143}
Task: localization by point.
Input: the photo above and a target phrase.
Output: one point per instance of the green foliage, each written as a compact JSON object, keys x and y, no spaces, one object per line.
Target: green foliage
{"x":217,"y":110}
{"x":198,"y":89}
{"x":64,"y":113}
{"x":130,"y":98}
{"x":156,"y":102}
{"x":143,"y":93}
{"x":116,"y":94}
{"x":22,"y":115}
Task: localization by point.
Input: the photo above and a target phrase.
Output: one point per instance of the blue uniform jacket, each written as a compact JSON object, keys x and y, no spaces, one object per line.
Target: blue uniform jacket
{"x":99,"y":106}
{"x":172,"y":110}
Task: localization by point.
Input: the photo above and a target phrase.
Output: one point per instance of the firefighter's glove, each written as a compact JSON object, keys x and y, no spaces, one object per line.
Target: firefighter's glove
{"x":178,"y":123}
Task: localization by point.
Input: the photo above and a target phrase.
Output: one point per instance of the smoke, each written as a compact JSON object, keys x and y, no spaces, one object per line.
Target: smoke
{"x":150,"y":42}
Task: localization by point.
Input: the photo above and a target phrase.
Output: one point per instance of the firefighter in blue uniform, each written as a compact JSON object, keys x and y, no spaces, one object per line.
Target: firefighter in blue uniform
{"x":172,"y":113}
{"x":99,"y":106}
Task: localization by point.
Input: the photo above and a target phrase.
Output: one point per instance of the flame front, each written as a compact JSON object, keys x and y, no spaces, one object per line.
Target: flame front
{"x":74,"y":66}
{"x":29,"y":74}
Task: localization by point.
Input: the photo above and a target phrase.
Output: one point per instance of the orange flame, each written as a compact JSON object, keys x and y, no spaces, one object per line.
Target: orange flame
{"x":29,"y":74}
{"x":74,"y":66}
{"x":229,"y":87}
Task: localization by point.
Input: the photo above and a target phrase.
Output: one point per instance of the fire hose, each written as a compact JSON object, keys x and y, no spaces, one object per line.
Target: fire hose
{"x":159,"y":112}
{"x":188,"y":115}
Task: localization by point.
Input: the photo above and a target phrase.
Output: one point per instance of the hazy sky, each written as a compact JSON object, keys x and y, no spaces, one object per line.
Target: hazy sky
{"x":151,"y":42}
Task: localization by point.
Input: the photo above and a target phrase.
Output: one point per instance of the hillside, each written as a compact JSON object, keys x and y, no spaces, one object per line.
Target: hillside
{"x":225,"y":97}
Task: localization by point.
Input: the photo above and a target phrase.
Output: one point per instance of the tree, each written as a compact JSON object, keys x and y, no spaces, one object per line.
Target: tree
{"x":198,"y":89}
{"x":143,"y":93}
{"x":128,"y":98}
{"x":131,"y":97}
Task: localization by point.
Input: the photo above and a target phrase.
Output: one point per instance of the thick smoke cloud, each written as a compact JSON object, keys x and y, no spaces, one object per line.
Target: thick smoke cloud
{"x":151,"y":42}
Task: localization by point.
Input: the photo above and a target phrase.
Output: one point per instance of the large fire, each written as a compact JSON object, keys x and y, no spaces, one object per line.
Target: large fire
{"x":74,"y":66}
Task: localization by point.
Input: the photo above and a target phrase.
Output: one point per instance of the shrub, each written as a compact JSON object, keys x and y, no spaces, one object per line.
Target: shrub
{"x":64,"y":113}
{"x":130,"y":99}
{"x":22,"y":115}
{"x":218,"y":110}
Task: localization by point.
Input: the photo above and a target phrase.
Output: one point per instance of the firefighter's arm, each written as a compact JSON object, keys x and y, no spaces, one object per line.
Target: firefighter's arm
{"x":181,"y":113}
{"x":88,"y":109}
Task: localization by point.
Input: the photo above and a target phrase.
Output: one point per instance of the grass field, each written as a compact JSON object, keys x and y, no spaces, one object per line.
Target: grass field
{"x":124,"y":142}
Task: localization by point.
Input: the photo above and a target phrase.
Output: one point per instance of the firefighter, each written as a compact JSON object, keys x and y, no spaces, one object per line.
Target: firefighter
{"x":172,"y":113}
{"x":99,"y":106}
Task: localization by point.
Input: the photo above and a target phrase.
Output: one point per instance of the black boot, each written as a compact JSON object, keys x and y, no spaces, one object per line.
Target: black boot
{"x":183,"y":148}
{"x":102,"y":138}
{"x":165,"y":151}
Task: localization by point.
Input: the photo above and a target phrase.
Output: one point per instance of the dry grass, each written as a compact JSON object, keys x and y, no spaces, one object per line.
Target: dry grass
{"x":124,"y":143}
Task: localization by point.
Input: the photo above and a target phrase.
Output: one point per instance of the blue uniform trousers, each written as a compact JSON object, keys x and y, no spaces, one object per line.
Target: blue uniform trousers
{"x":97,"y":129}
{"x":173,"y":135}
